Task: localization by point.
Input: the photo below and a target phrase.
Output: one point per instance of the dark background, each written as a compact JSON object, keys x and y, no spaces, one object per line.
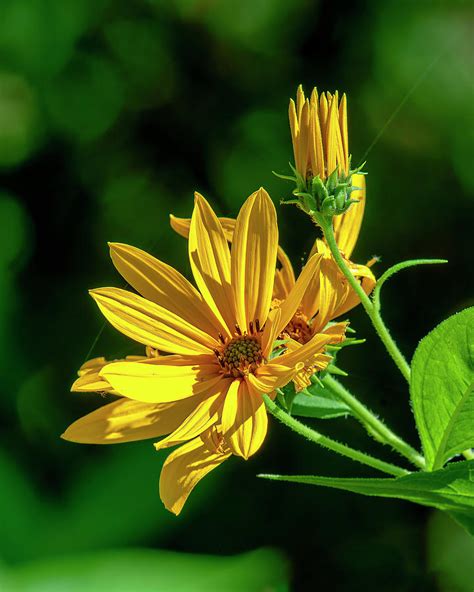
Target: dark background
{"x":111,"y":114}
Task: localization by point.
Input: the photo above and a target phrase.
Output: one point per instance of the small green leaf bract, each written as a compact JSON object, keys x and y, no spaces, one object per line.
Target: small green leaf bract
{"x":442,"y":389}
{"x":318,"y":402}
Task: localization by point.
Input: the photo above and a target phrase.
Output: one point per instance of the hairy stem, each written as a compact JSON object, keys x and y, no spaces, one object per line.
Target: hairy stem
{"x":373,"y":425}
{"x":331,"y":444}
{"x":370,"y":309}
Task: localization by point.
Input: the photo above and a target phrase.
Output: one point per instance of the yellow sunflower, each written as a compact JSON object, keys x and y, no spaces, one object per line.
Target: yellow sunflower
{"x":207,"y":390}
{"x":327,"y":296}
{"x":319,"y":134}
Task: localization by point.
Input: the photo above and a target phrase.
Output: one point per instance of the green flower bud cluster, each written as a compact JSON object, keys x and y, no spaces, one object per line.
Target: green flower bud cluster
{"x":329,"y":197}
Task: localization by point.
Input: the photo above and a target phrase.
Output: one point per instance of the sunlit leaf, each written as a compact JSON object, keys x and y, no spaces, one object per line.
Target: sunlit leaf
{"x":442,"y":388}
{"x":318,"y":402}
{"x":450,"y":489}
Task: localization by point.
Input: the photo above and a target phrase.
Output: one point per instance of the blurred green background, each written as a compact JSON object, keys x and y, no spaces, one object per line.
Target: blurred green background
{"x":111,"y":114}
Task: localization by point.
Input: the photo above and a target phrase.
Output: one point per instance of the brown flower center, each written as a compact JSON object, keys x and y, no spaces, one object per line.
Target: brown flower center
{"x":298,"y":329}
{"x":240,"y":356}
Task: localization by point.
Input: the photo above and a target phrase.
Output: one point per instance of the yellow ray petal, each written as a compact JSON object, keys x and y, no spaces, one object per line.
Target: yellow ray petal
{"x":304,"y":140}
{"x":202,"y":417}
{"x":244,"y":419}
{"x":331,"y":137}
{"x":310,"y":300}
{"x":339,"y":141}
{"x":319,"y":246}
{"x":292,"y":302}
{"x":89,"y":375}
{"x":92,"y":364}
{"x":90,"y":382}
{"x":210,"y":262}
{"x":163,"y":285}
{"x":300,"y":101}
{"x":304,"y":354}
{"x":183,"y":225}
{"x":323,"y":114}
{"x":347,"y":226}
{"x":149,"y":323}
{"x":180,"y":225}
{"x":318,"y":362}
{"x":349,"y":298}
{"x":213,"y":439}
{"x":331,"y":288}
{"x":344,"y":131}
{"x":182,"y":471}
{"x":169,"y":378}
{"x":295,"y":129}
{"x":127,"y":421}
{"x":318,"y":164}
{"x":284,"y":277}
{"x":254,"y":251}
{"x":272,"y":376}
{"x":271,"y":331}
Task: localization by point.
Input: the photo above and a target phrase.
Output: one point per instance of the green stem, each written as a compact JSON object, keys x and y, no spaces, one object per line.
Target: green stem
{"x":395,"y":269}
{"x":377,"y":322}
{"x":374,"y":426}
{"x":326,"y":442}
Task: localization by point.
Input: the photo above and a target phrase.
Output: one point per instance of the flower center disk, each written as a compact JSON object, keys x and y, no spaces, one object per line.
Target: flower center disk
{"x":241,"y":356}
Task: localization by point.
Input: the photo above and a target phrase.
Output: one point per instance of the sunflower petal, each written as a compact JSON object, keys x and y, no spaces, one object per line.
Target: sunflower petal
{"x":89,"y":374}
{"x":127,"y":421}
{"x":284,"y":277}
{"x":271,"y":331}
{"x":337,"y":331}
{"x":167,"y":379}
{"x":349,"y":299}
{"x":304,"y":354}
{"x":347,"y":226}
{"x":182,"y":471}
{"x":254,"y":252}
{"x":183,"y":225}
{"x":331,"y":289}
{"x":210,"y":262}
{"x":149,"y":323}
{"x":293,"y":301}
{"x":201,"y":418}
{"x":244,"y":419}
{"x":295,"y":130}
{"x":163,"y":285}
{"x":316,"y":139}
{"x":270,"y":377}
{"x":344,"y":132}
{"x":90,"y":382}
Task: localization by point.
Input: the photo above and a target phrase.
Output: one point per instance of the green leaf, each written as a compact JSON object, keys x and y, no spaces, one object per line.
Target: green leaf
{"x":450,"y":489}
{"x":442,"y":389}
{"x":318,"y":402}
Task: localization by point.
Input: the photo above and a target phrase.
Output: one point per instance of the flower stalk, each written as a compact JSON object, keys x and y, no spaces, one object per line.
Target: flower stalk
{"x":331,"y":444}
{"x":326,"y":225}
{"x":374,"y":426}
